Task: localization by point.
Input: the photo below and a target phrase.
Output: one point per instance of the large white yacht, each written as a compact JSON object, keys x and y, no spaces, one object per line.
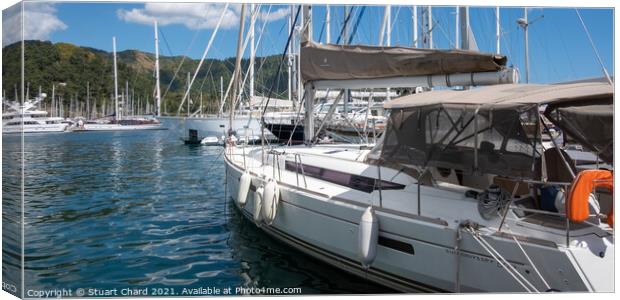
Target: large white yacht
{"x":459,"y":195}
{"x":27,"y":119}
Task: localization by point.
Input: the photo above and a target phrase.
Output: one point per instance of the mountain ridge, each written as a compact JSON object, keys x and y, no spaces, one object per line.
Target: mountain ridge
{"x":48,"y":64}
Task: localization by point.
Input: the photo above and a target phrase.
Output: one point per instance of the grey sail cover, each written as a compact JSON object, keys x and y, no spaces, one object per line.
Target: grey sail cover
{"x":341,"y":62}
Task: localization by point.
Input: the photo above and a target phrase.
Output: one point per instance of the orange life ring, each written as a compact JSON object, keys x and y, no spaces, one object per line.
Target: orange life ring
{"x":584,"y":183}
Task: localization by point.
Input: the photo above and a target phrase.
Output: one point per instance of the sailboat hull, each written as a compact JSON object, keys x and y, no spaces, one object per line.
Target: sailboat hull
{"x":415,"y":253}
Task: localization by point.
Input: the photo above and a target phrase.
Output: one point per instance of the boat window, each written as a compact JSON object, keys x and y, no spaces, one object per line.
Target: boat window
{"x":497,"y":140}
{"x":357,"y":182}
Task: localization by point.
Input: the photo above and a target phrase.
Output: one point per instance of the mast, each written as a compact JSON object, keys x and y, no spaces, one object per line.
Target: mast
{"x":290,"y":58}
{"x":125,"y":105}
{"x":527,"y":47}
{"x":87,"y":100}
{"x":414,"y":20}
{"x":116,"y":115}
{"x":252,"y":52}
{"x":306,"y":36}
{"x":388,"y":42}
{"x":157,"y":88}
{"x":221,"y":91}
{"x":327,"y":25}
{"x":237,"y":72}
{"x":189,"y":99}
{"x":464,"y":14}
{"x":430,"y":27}
{"x":456,"y":27}
{"x":497,"y":30}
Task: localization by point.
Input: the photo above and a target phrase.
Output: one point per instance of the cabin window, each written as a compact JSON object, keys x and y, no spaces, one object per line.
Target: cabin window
{"x":357,"y":182}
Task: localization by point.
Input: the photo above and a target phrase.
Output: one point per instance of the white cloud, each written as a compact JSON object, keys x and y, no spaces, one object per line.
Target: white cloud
{"x":274,"y":15}
{"x":39,"y":22}
{"x":192,"y":15}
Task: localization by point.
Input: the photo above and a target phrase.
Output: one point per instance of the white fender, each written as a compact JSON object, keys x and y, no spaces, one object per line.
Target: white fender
{"x":244,"y":188}
{"x":271,"y":197}
{"x":368,"y":234}
{"x":258,"y":203}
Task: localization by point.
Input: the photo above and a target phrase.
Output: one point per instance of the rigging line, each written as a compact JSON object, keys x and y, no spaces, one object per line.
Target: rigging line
{"x":357,"y":24}
{"x":497,"y":259}
{"x":528,"y":258}
{"x":221,"y":109}
{"x":185,"y":55}
{"x":598,"y":57}
{"x":346,"y":22}
{"x":247,"y":74}
{"x":443,"y":31}
{"x":321,"y":32}
{"x":505,"y":261}
{"x":288,"y":42}
{"x":257,"y":10}
{"x":204,"y":55}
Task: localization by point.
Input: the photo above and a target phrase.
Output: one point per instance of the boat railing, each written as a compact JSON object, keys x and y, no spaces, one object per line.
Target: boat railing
{"x":300,"y":166}
{"x":564,"y":214}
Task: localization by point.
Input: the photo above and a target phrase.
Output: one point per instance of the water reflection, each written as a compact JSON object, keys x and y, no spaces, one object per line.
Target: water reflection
{"x":112,"y":210}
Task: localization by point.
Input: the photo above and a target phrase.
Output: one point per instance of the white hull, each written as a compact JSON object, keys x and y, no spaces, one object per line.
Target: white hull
{"x":212,"y":126}
{"x":39,"y":128}
{"x":417,"y":252}
{"x":118,"y":127}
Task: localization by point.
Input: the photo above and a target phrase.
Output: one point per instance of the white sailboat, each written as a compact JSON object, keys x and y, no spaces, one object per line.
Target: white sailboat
{"x":458,"y":196}
{"x":118,"y":123}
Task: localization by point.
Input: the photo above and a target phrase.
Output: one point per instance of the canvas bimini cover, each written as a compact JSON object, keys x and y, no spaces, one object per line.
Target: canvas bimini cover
{"x":341,"y":62}
{"x":487,"y":130}
{"x":591,"y":124}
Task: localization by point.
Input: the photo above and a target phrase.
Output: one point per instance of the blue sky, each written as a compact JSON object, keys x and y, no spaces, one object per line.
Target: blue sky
{"x":559,"y":48}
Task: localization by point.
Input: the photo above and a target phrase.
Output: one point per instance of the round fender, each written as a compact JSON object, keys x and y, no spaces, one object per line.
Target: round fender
{"x":271,"y":197}
{"x":368,"y":235}
{"x":258,"y":203}
{"x":244,"y":188}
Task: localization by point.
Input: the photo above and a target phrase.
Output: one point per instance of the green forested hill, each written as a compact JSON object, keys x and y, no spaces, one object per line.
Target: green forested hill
{"x":70,"y":67}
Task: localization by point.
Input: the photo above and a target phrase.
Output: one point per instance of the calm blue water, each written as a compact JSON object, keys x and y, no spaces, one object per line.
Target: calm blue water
{"x":140,"y":209}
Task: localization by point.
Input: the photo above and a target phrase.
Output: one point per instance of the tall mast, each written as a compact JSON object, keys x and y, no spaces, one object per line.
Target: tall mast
{"x":306,"y":36}
{"x":237,"y":72}
{"x":116,"y":116}
{"x":464,"y":15}
{"x":414,"y":17}
{"x":430,"y":27}
{"x":497,"y":30}
{"x":221,"y":91}
{"x":52,"y":104}
{"x":527,"y":47}
{"x":125,"y":105}
{"x":327,"y":25}
{"x":87,"y":116}
{"x":290,"y":58}
{"x":189,"y":98}
{"x":388,"y":42}
{"x":252,"y":51}
{"x":456,"y":27}
{"x":157,"y":89}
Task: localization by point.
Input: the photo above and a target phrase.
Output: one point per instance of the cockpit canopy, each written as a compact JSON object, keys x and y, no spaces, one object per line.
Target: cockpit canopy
{"x":496,"y":129}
